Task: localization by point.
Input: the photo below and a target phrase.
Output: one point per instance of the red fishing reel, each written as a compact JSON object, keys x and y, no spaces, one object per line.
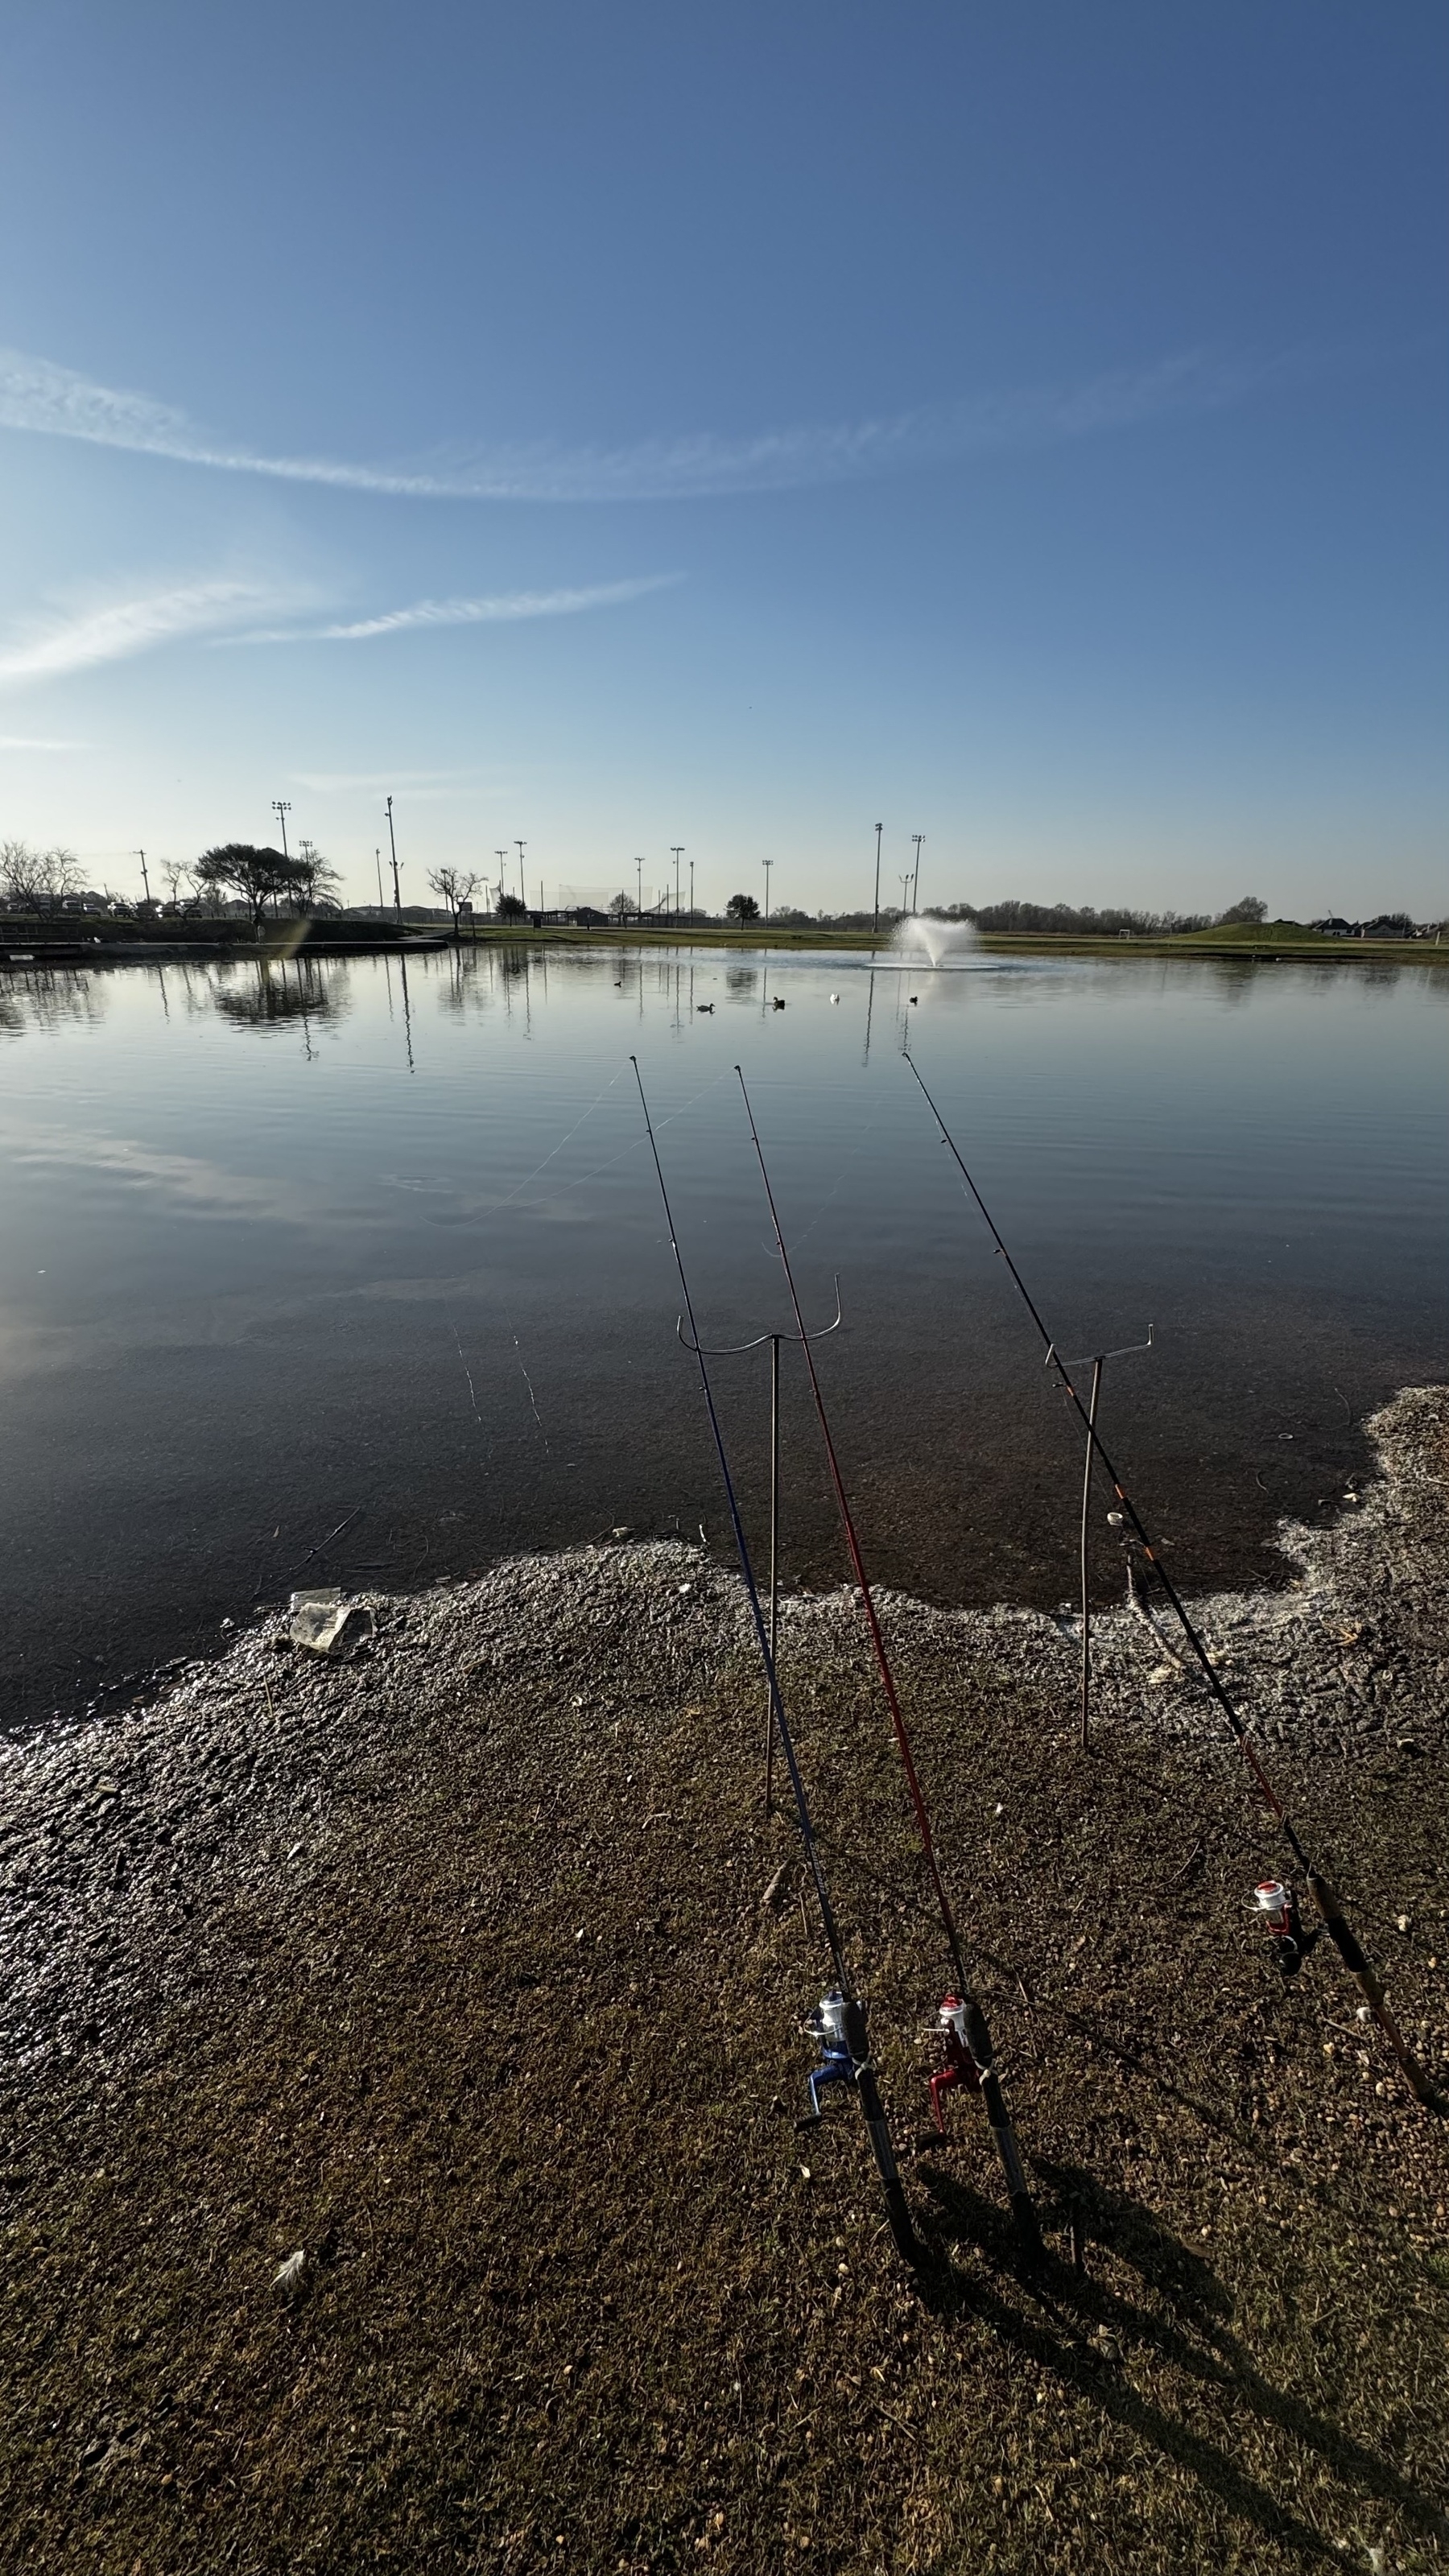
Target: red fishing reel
{"x":953,"y":2049}
{"x":1277,"y":1903}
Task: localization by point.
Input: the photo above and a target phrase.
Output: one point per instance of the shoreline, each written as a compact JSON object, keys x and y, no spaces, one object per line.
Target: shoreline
{"x":468,"y":1968}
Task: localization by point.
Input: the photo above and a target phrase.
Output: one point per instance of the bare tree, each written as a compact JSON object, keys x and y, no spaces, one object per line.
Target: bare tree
{"x":173,"y":877}
{"x":36,"y":880}
{"x":621,"y":905}
{"x":317,"y":882}
{"x":455,"y":886}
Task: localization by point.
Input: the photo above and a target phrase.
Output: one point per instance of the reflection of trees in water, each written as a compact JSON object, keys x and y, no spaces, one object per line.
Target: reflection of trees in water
{"x":274,"y":995}
{"x":740,"y":982}
{"x":468,"y":983}
{"x":51,"y":997}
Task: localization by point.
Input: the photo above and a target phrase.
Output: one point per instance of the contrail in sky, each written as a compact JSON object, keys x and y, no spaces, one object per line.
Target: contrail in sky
{"x":52,"y":401}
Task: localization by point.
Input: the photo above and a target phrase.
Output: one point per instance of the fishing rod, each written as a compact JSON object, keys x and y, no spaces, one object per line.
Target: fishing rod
{"x":962,"y":2026}
{"x":838,"y":2022}
{"x":1277,"y":1903}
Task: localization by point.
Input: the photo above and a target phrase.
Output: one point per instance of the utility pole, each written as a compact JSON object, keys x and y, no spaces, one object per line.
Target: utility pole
{"x":767,"y":864}
{"x":875,"y":924}
{"x":145,"y":880}
{"x":918,"y":838}
{"x":281,"y":807}
{"x":520,"y":847}
{"x":392,"y":844}
{"x":678,"y":848}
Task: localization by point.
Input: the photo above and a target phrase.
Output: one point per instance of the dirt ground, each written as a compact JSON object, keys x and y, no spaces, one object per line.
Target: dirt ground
{"x":470,"y":1970}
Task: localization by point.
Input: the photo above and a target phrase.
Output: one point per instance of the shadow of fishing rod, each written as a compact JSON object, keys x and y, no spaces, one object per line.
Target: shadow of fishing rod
{"x":1278,"y":1904}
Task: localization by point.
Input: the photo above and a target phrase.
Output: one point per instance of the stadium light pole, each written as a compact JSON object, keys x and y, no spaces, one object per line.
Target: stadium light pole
{"x":638,"y":889}
{"x":691,"y":889}
{"x":918,"y":838}
{"x":281,"y":807}
{"x":678,"y":849}
{"x":392,"y":845}
{"x":875,"y":923}
{"x":520,"y":847}
{"x":767,"y":864}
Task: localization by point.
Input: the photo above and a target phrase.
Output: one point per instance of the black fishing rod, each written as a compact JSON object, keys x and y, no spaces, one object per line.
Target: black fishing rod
{"x":961,"y":2018}
{"x":839,"y":2021}
{"x":1282,"y":1916}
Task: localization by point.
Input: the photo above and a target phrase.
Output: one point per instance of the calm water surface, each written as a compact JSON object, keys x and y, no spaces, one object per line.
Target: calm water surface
{"x":288,"y":1248}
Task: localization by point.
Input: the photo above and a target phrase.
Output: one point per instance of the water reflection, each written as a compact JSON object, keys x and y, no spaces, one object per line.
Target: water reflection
{"x":265,"y":995}
{"x":210,"y":1344}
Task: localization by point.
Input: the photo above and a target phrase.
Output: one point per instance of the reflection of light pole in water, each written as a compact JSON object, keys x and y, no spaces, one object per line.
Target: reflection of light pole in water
{"x":875,"y":923}
{"x":869,"y":1007}
{"x":407,"y":1011}
{"x":918,"y":838}
{"x":392,"y":844}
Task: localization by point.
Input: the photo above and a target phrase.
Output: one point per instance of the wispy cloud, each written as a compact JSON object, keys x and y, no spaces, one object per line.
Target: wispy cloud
{"x":219,"y":611}
{"x":115,"y":629}
{"x":501,"y":610}
{"x":53,"y":401}
{"x":377,"y":782}
{"x":38,"y":742}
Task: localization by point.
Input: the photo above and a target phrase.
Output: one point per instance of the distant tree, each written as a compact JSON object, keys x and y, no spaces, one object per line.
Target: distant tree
{"x":456,"y":886}
{"x":173,"y":876}
{"x":1250,"y":908}
{"x":256,"y":877}
{"x":36,"y":880}
{"x":742,"y":908}
{"x":510,"y":907}
{"x":787,"y":916}
{"x":621,"y":905}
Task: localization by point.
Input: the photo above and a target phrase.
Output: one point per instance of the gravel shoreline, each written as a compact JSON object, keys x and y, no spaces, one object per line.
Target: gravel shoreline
{"x":261,"y":1923}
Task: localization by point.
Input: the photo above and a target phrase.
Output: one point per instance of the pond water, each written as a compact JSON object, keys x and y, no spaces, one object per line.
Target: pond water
{"x":348,"y":1242}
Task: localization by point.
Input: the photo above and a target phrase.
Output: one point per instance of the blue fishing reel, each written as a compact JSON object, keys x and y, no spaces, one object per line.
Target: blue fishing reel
{"x":829,"y":2025}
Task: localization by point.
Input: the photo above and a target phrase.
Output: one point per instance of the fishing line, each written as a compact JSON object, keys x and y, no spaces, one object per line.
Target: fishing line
{"x":975,"y":2034}
{"x":1324,"y":1896}
{"x":853,"y":2016}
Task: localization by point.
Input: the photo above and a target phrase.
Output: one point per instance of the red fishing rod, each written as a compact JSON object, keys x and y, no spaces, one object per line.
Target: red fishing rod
{"x":969,"y":2056}
{"x":1276,"y":1903}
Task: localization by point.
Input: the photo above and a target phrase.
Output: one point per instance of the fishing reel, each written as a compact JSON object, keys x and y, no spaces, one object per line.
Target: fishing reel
{"x":1277,"y":1903}
{"x":838,"y":2030}
{"x":958,"y":2063}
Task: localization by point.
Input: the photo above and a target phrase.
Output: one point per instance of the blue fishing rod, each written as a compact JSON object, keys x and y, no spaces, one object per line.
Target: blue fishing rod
{"x":839,"y":2020}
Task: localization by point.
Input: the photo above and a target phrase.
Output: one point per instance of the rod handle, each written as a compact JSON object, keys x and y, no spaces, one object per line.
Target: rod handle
{"x":1344,"y":1942}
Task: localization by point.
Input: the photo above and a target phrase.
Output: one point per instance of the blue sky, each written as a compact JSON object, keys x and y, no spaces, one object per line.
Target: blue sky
{"x":646,"y":425}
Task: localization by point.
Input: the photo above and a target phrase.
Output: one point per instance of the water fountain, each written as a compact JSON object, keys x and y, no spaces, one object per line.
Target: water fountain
{"x":934,"y":942}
